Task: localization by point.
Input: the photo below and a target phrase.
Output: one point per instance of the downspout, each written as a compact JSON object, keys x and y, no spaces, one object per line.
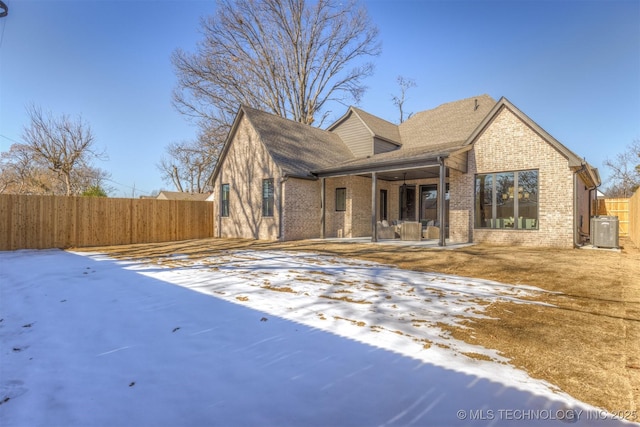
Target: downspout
{"x":323,"y":188}
{"x":374,"y":207}
{"x":576,"y":233}
{"x":441,"y":200}
{"x":280,"y":211}
{"x":219,"y":207}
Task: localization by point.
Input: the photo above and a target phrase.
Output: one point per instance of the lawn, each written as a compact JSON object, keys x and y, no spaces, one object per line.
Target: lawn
{"x":303,"y":334}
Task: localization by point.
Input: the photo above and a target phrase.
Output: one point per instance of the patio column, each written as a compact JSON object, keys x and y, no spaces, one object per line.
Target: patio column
{"x":322,"y":205}
{"x":374,"y":206}
{"x":442,"y":187}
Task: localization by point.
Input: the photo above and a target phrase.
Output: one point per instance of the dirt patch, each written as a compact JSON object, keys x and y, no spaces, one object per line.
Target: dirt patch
{"x":585,"y":338}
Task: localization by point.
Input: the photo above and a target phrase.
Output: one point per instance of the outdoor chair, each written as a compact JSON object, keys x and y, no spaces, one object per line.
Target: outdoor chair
{"x":431,"y":232}
{"x":411,"y":231}
{"x":385,"y":231}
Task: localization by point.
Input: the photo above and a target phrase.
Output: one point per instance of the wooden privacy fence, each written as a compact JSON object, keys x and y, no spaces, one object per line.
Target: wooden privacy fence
{"x":41,"y":222}
{"x":634,"y":218}
{"x":619,"y":208}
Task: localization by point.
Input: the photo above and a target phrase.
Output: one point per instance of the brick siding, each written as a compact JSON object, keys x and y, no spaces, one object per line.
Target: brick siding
{"x":246,"y":164}
{"x":508,"y":144}
{"x":301,"y":217}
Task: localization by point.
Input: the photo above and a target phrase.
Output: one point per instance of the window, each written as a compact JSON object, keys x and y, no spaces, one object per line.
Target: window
{"x":224,"y":200}
{"x":267,"y":197}
{"x":507,"y":200}
{"x":429,"y":204}
{"x":341,"y":199}
{"x":383,"y":205}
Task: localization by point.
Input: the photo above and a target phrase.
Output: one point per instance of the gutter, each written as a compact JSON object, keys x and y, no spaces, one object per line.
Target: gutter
{"x":382,"y":166}
{"x":583,"y":168}
{"x":280,"y":211}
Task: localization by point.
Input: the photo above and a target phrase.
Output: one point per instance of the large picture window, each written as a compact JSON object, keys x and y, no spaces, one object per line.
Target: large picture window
{"x":507,"y":200}
{"x":267,"y":197}
{"x":224,"y":200}
{"x":341,"y":199}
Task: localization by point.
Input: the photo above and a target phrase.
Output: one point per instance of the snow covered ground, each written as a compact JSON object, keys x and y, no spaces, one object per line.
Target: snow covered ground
{"x":269,"y":339}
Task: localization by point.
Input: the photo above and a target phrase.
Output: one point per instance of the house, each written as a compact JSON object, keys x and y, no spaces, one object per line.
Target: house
{"x":181,"y":195}
{"x":473,"y":170}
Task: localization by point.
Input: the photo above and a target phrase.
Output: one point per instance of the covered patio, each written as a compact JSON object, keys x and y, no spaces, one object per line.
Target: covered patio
{"x":424,"y":243}
{"x":426,"y":165}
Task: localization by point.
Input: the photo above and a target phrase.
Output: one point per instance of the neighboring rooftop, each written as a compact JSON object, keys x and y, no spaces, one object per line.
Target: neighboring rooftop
{"x":180,"y":195}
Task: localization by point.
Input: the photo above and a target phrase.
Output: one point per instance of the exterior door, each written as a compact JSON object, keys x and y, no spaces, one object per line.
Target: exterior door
{"x":429,"y":203}
{"x":408,"y":202}
{"x":383,"y":206}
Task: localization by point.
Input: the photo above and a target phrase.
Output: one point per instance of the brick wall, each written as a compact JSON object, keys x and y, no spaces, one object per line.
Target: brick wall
{"x":246,"y":164}
{"x":506,"y":145}
{"x":301,"y":210}
{"x":510,"y":145}
{"x":461,"y":194}
{"x":355,"y":221}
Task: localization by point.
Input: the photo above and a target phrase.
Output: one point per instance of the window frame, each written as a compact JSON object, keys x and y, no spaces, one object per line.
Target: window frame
{"x":341,"y":199}
{"x":268,"y":199}
{"x":225,"y":190}
{"x":513,"y":192}
{"x":384,"y":208}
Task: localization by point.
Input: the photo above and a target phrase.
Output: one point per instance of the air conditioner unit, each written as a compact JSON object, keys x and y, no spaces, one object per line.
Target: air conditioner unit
{"x":604,"y":231}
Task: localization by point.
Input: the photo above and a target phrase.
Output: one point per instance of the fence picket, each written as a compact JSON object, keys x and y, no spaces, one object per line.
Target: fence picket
{"x":42,"y":222}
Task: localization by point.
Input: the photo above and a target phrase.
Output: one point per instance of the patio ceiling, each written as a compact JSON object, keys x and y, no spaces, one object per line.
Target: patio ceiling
{"x":398,"y":173}
{"x":429,"y":172}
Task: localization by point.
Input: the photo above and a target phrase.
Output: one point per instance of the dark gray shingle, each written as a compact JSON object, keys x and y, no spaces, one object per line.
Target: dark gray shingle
{"x":295,"y":147}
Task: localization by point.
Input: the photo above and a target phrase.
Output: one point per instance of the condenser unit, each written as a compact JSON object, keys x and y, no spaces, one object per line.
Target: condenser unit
{"x":604,"y":231}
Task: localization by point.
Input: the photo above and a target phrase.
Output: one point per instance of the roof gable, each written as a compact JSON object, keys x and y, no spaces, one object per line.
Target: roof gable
{"x":366,"y":134}
{"x":378,"y":127}
{"x":295,"y":148}
{"x":574,"y":160}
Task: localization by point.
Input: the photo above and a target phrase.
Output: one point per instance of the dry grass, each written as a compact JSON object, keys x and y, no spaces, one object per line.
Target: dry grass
{"x":587,"y":341}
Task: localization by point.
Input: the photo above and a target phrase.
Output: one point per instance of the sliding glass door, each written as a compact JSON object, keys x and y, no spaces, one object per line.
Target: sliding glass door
{"x":429,"y":204}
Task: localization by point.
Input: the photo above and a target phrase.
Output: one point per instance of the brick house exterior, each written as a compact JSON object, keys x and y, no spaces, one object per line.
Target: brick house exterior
{"x":507,"y":180}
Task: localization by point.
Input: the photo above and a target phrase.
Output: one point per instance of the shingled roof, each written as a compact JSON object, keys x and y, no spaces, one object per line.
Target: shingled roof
{"x":295,"y":147}
{"x":304,"y":151}
{"x":181,"y":195}
{"x":449,"y":123}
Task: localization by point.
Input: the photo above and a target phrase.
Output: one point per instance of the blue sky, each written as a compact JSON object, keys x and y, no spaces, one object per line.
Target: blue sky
{"x":572,"y":66}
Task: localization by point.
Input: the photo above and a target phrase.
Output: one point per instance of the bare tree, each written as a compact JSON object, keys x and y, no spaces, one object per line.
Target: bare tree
{"x":55,"y":158}
{"x":399,"y":100}
{"x":90,"y":177}
{"x":288,"y":57}
{"x":625,"y":179}
{"x":17,"y":170}
{"x":22,"y":172}
{"x":189,"y":165}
